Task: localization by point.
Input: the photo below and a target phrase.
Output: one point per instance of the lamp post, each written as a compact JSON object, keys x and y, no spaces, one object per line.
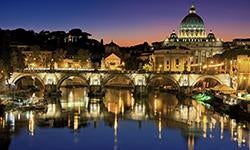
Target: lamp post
{"x":52,"y":64}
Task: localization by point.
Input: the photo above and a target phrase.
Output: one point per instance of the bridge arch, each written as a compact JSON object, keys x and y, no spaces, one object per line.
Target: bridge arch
{"x":83,"y":80}
{"x":162,"y":81}
{"x":213,"y":81}
{"x":118,"y":80}
{"x":33,"y":76}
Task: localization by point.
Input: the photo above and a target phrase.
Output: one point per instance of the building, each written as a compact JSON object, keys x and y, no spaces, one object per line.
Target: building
{"x":242,"y":73}
{"x":192,"y":34}
{"x":243,"y":64}
{"x":75,"y":35}
{"x":144,"y":56}
{"x":236,"y":62}
{"x":112,"y":48}
{"x":174,"y":59}
{"x":241,"y":42}
{"x":112,"y":62}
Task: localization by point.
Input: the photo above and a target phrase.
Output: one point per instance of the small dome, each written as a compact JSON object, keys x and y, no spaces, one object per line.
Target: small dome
{"x":173,"y":35}
{"x":192,"y":21}
{"x":211,"y":35}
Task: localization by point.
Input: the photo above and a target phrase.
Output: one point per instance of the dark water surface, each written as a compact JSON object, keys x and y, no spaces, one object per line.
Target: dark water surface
{"x":122,"y":121}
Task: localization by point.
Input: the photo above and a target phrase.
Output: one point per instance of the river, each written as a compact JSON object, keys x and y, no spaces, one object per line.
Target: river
{"x":120,"y":120}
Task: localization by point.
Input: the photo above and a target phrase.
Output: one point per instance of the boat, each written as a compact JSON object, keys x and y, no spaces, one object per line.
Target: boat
{"x":226,"y":103}
{"x":242,"y":110}
{"x":33,"y":107}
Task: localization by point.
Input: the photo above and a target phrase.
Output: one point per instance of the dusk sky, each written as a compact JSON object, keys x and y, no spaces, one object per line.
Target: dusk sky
{"x":126,"y":22}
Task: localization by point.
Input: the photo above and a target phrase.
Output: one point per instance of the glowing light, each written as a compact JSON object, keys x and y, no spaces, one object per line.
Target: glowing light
{"x":31,"y":124}
{"x":160,"y":128}
{"x":115,"y":128}
{"x":76,"y":121}
{"x":204,"y":122}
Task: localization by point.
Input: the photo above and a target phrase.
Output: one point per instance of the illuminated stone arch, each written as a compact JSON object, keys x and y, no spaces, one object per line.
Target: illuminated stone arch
{"x":161,"y":79}
{"x":139,"y":79}
{"x":68,"y":76}
{"x":201,"y":78}
{"x":118,"y":80}
{"x":33,"y":76}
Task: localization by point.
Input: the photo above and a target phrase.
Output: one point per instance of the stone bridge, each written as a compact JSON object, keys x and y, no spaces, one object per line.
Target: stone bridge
{"x":117,"y":78}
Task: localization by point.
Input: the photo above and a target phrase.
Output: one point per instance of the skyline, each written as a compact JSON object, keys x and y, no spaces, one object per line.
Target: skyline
{"x":126,"y":22}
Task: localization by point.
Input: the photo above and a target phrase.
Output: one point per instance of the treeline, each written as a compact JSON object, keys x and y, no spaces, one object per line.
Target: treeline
{"x":74,"y":43}
{"x":70,"y":41}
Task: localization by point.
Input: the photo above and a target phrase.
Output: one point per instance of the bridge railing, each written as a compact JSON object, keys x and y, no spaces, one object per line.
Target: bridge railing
{"x":70,"y":70}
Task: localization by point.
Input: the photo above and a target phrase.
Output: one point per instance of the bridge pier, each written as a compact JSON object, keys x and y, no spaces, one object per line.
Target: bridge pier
{"x":140,"y":90}
{"x":96,"y":90}
{"x":186,"y":90}
{"x":51,"y":91}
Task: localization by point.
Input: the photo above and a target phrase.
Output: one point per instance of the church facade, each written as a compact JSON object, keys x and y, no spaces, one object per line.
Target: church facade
{"x":192,"y":35}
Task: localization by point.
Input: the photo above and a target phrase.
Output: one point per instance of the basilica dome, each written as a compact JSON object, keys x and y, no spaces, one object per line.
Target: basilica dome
{"x":192,"y":22}
{"x":192,"y":26}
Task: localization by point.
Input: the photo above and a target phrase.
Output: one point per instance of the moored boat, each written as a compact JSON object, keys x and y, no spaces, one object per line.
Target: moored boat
{"x":225,"y":102}
{"x":242,"y":110}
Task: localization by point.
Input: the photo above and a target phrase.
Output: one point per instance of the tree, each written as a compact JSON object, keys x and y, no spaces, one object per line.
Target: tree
{"x":132,"y":63}
{"x":14,"y":57}
{"x":56,"y":40}
{"x":147,"y":67}
{"x":5,"y":71}
{"x":33,"y":59}
{"x":84,"y":56}
{"x":17,"y":60}
{"x":1,"y":69}
{"x":58,"y":56}
{"x":78,"y":32}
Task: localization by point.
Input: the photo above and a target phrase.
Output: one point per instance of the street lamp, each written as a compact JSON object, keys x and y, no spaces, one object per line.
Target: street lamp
{"x":52,"y":64}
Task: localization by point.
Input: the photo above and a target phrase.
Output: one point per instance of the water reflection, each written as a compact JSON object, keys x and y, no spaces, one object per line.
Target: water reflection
{"x":117,"y":101}
{"x":74,"y":97}
{"x":161,"y":111}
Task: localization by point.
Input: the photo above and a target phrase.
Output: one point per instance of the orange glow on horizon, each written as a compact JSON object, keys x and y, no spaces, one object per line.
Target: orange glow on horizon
{"x":131,"y":36}
{"x":131,"y":42}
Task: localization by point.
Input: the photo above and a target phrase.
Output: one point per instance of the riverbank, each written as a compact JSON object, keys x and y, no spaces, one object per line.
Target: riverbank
{"x":225,"y":103}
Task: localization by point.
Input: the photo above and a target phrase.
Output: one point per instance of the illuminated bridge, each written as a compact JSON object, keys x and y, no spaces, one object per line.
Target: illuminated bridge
{"x":128,"y":79}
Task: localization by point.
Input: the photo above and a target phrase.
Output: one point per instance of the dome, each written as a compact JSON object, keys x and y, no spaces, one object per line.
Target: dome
{"x":211,"y":35}
{"x":192,"y":21}
{"x":173,"y":35}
